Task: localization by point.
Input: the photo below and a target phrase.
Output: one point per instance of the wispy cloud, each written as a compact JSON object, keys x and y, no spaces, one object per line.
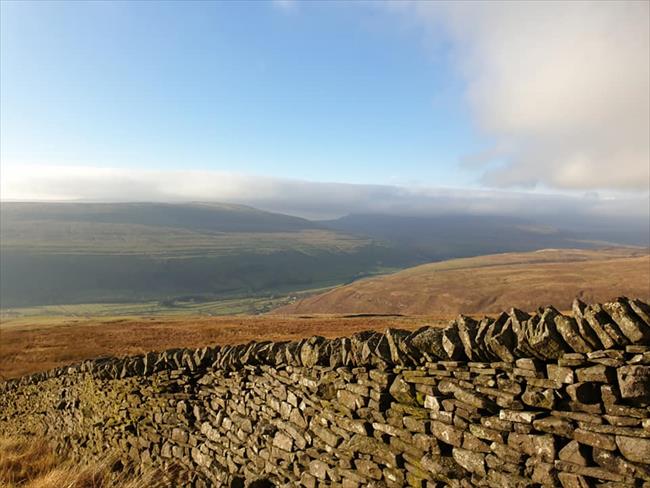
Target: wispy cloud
{"x":562,"y":87}
{"x":285,"y":5}
{"x":304,"y":198}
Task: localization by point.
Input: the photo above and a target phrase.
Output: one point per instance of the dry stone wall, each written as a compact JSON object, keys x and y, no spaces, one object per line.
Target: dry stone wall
{"x":516,"y":401}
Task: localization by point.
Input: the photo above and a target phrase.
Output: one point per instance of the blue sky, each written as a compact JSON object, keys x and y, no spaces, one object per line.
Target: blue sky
{"x":244,"y":100}
{"x":330,"y":91}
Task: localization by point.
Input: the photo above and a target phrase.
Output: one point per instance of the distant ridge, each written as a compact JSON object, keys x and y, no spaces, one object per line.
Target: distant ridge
{"x":195,"y":216}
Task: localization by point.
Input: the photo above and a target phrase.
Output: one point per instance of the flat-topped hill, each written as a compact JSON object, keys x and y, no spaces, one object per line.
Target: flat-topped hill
{"x":489,"y":284}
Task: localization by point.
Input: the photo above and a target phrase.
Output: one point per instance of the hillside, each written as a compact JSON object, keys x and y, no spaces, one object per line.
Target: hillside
{"x":439,"y":237}
{"x":58,"y":253}
{"x":80,"y":253}
{"x":491,"y":283}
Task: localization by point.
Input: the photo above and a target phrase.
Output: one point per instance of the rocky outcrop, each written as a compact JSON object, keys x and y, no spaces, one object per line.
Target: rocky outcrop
{"x":518,"y":400}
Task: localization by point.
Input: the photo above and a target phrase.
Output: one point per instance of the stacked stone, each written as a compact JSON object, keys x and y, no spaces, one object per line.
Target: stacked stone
{"x":520,"y":400}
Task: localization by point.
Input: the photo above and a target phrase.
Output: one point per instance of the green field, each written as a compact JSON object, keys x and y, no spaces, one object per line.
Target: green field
{"x":226,"y":306}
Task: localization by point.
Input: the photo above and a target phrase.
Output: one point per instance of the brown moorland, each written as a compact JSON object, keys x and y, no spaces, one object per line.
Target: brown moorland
{"x":28,"y":345}
{"x":490,"y":284}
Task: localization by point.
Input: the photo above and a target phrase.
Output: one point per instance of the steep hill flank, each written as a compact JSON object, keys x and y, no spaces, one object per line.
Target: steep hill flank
{"x":60,"y":253}
{"x":489,"y":284}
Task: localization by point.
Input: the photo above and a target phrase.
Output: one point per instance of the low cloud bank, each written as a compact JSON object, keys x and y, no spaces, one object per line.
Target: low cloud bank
{"x":316,"y":200}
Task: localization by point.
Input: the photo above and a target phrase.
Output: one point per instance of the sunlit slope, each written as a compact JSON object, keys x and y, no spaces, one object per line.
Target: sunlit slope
{"x":82,"y":252}
{"x":492,"y":283}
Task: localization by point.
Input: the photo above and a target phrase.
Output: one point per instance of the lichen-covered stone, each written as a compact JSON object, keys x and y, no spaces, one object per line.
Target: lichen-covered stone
{"x":543,"y":337}
{"x":634,"y":381}
{"x":575,"y":453}
{"x":474,"y":462}
{"x":570,"y":332}
{"x":635,"y":449}
{"x":628,"y":321}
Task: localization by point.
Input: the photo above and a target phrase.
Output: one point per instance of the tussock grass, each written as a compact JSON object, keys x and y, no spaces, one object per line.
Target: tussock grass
{"x":31,"y":463}
{"x":31,"y":345}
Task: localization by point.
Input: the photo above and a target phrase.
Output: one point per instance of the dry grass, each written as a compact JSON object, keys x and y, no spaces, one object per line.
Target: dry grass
{"x":29,"y":345}
{"x":31,"y":463}
{"x":490,"y":284}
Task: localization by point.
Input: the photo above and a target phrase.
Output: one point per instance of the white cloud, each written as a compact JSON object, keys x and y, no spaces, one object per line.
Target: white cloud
{"x":304,"y":198}
{"x":563,"y":86}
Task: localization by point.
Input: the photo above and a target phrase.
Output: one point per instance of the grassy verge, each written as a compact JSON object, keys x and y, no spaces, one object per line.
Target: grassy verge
{"x":31,"y":463}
